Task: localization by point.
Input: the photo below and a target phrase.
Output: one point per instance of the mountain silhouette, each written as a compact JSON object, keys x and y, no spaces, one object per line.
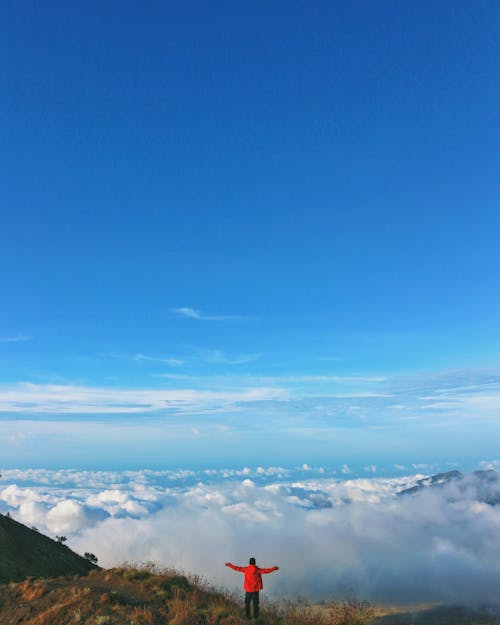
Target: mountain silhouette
{"x":482,"y":485}
{"x":24,"y":552}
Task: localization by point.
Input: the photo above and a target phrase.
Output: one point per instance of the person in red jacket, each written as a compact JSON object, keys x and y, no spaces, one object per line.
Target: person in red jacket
{"x":252,"y":584}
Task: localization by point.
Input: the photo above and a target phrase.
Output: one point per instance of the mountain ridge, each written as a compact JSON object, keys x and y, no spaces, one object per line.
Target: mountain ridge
{"x":485,"y":484}
{"x":25,"y":552}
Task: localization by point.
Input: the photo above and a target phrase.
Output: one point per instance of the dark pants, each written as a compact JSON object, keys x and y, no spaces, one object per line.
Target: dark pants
{"x":252,"y":597}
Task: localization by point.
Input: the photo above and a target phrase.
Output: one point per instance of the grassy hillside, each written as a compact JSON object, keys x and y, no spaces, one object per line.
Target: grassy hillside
{"x":25,"y":552}
{"x":145,"y":596}
{"x":148,"y":596}
{"x":54,"y":586}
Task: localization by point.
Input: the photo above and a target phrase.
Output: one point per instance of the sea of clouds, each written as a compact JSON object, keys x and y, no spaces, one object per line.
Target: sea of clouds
{"x":331,"y":536}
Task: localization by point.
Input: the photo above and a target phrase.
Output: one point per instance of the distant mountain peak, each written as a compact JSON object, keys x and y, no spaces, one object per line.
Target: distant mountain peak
{"x":439,"y":479}
{"x":484,"y":484}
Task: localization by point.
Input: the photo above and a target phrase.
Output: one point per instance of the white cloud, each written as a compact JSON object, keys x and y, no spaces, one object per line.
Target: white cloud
{"x":309,"y":379}
{"x":490,"y":464}
{"x":50,"y":398}
{"x":119,"y":503}
{"x":15,"y":338}
{"x":69,"y":515}
{"x":173,"y":362}
{"x":328,"y":536}
{"x":192,"y":313}
{"x":173,"y":376}
{"x":319,"y":403}
{"x":32,"y":513}
{"x":218,"y":357}
{"x":18,"y":438}
{"x":15,"y":496}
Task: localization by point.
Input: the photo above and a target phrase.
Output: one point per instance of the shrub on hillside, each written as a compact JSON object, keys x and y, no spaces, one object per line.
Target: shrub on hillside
{"x":90,"y":557}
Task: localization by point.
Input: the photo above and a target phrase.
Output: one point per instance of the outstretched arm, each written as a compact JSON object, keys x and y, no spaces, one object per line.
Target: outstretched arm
{"x":270,"y":570}
{"x":241,"y":569}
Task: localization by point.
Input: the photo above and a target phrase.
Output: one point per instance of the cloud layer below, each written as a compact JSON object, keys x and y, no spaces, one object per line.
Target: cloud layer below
{"x":330,"y":537}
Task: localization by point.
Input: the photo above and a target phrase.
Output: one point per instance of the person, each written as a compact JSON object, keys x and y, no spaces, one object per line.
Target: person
{"x":252,"y":584}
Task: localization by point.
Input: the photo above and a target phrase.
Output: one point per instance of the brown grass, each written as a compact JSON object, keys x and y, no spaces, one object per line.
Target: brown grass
{"x":149,"y":595}
{"x":142,"y":616}
{"x":32,"y":589}
{"x":350,"y":612}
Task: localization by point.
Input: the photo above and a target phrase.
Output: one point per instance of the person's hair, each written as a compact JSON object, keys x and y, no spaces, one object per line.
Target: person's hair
{"x":251,"y":561}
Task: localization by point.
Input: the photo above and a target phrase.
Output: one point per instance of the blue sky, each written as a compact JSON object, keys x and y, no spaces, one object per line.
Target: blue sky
{"x":233,"y":233}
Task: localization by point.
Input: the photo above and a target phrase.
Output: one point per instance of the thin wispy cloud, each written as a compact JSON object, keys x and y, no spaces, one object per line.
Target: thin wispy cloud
{"x":186,"y":312}
{"x":338,"y":379}
{"x":31,"y":398}
{"x":210,"y":356}
{"x":309,"y":384}
{"x":218,"y":357}
{"x":17,"y":438}
{"x":146,"y":358}
{"x":173,"y":376}
{"x":173,"y":362}
{"x":15,"y":338}
{"x":317,"y":409}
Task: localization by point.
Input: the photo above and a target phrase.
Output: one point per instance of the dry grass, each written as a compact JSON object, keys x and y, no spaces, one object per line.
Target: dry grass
{"x":142,"y":616}
{"x":32,"y":589}
{"x":148,"y":595}
{"x":350,"y":612}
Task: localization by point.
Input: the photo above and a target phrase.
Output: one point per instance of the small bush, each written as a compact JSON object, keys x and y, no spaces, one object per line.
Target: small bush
{"x":174,"y":582}
{"x":136,"y":574}
{"x":90,"y":557}
{"x":142,"y":616}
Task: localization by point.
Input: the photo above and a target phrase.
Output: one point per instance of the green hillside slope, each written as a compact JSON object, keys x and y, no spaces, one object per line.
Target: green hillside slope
{"x":25,"y":552}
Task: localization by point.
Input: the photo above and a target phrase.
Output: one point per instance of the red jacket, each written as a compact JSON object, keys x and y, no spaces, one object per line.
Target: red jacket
{"x":253,"y":579}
